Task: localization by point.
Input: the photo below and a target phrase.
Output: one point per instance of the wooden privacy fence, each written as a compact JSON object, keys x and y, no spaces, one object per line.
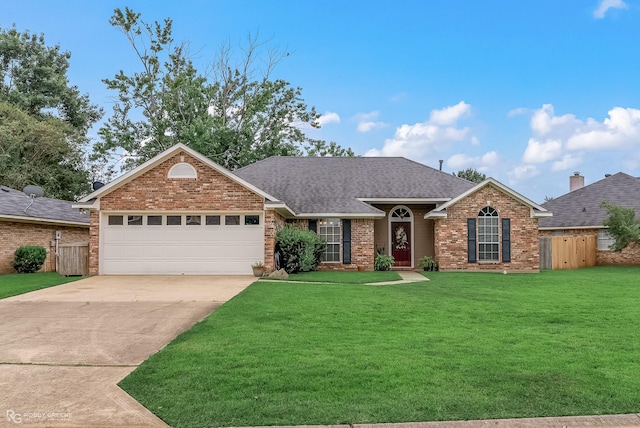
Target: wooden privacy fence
{"x":73,"y":259}
{"x":567,"y":252}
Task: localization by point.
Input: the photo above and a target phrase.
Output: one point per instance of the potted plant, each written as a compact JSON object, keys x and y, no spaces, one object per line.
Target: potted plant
{"x":258,"y":269}
{"x":428,"y":264}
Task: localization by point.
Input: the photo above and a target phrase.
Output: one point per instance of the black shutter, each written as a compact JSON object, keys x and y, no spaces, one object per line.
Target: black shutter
{"x":471,"y":239}
{"x":506,"y":240}
{"x":313,"y":225}
{"x":346,"y":242}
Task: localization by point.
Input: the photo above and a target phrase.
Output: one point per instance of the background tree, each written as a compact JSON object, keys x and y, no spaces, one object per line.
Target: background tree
{"x":43,"y":118}
{"x":230,"y":114}
{"x":622,"y":224}
{"x":472,"y":174}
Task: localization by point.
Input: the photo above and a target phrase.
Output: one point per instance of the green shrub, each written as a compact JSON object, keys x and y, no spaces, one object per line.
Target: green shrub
{"x":29,"y":258}
{"x":383,"y":262}
{"x":300,"y":249}
{"x":427,"y":263}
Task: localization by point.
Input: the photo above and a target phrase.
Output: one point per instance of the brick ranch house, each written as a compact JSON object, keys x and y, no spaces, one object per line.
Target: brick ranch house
{"x":26,"y":221}
{"x":579,"y":214}
{"x":181,"y":213}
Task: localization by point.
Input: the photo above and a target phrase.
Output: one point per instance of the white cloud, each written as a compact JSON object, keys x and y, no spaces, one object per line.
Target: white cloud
{"x":522,"y":173}
{"x":568,"y":161}
{"x":518,"y":111}
{"x":620,"y":129}
{"x":421,"y":139}
{"x":481,"y":163}
{"x":556,"y":137}
{"x":605,"y":5}
{"x":541,"y":151}
{"x":449,"y":115}
{"x":367,"y":122}
{"x":328,"y":117}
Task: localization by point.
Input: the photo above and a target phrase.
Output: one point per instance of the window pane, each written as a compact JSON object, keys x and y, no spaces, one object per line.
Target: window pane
{"x":329,"y":229}
{"x":115,"y":220}
{"x":251,"y":219}
{"x":193,"y":220}
{"x":134,"y":220}
{"x":154,"y":220}
{"x":232,"y":220}
{"x":213,"y":220}
{"x":174,"y":220}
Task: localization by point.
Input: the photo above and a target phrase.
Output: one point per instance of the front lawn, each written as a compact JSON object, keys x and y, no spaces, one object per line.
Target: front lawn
{"x":344,"y":277}
{"x":461,"y":346}
{"x":20,"y":283}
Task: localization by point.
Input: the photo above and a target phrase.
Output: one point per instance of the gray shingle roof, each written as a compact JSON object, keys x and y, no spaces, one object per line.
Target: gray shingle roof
{"x":14,"y":202}
{"x":581,"y":208}
{"x":333,"y":184}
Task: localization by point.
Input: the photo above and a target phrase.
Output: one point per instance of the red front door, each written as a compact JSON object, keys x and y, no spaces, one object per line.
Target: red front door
{"x":401,"y":243}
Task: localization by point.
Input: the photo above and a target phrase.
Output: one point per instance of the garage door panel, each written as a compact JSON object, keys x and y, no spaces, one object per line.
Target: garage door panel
{"x":181,"y":249}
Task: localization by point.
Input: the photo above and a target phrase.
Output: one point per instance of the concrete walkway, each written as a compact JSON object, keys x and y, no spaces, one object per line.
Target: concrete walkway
{"x":607,"y":421}
{"x":407,"y":278}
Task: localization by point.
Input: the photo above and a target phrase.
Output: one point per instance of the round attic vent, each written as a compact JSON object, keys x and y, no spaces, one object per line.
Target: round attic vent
{"x":182,"y":170}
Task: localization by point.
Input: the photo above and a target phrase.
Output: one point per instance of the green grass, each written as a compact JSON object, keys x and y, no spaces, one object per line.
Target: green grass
{"x":20,"y":283}
{"x":344,"y":277}
{"x":461,"y":346}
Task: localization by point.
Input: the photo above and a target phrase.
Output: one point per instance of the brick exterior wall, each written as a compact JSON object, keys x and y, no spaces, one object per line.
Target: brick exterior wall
{"x":17,"y":234}
{"x":627,"y":257}
{"x":451,"y":233}
{"x":211,"y":191}
{"x":362,"y":248}
{"x":273,"y":222}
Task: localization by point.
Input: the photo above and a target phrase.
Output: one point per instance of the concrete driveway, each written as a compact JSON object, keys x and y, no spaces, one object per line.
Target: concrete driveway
{"x":64,"y":349}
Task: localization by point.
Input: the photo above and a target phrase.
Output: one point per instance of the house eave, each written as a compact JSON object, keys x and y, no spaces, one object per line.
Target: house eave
{"x":404,"y":200}
{"x":340,"y":215}
{"x":572,"y":227}
{"x":93,"y":204}
{"x":435,"y":215}
{"x":38,"y":220}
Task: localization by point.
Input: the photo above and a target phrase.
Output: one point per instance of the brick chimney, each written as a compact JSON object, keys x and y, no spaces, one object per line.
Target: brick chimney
{"x":576,"y":181}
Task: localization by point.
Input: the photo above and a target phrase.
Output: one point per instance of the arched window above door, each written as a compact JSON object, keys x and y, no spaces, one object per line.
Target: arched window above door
{"x":401,"y":214}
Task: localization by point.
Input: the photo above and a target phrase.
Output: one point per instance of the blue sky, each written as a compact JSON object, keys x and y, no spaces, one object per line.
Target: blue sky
{"x":526,"y":91}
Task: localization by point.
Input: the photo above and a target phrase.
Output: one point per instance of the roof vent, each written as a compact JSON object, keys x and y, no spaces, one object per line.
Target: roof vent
{"x":607,"y":175}
{"x":97,"y":184}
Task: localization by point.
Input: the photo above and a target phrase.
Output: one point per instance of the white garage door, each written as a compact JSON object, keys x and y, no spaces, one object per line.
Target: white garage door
{"x":176,"y":244}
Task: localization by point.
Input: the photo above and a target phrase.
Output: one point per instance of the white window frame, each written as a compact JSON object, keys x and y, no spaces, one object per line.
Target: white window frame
{"x":327,"y":230}
{"x":605,"y":241}
{"x":488,"y":217}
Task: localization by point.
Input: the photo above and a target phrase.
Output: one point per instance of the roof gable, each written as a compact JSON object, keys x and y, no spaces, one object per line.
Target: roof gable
{"x":581,"y":208}
{"x":537,"y":211}
{"x":159,"y":159}
{"x":15,"y":205}
{"x":343,"y":185}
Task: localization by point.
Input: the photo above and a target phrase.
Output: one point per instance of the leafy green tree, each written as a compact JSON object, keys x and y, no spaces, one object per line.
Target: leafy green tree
{"x":43,"y":118}
{"x":228,"y":114}
{"x":472,"y":174}
{"x":33,"y":76}
{"x":622,"y":224}
{"x":38,"y":151}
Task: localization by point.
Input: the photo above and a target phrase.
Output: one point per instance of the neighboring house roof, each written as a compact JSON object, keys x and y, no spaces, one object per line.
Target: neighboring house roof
{"x":343,"y":185}
{"x":581,"y":208}
{"x":87,"y":201}
{"x":537,"y":211}
{"x":15,"y":205}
